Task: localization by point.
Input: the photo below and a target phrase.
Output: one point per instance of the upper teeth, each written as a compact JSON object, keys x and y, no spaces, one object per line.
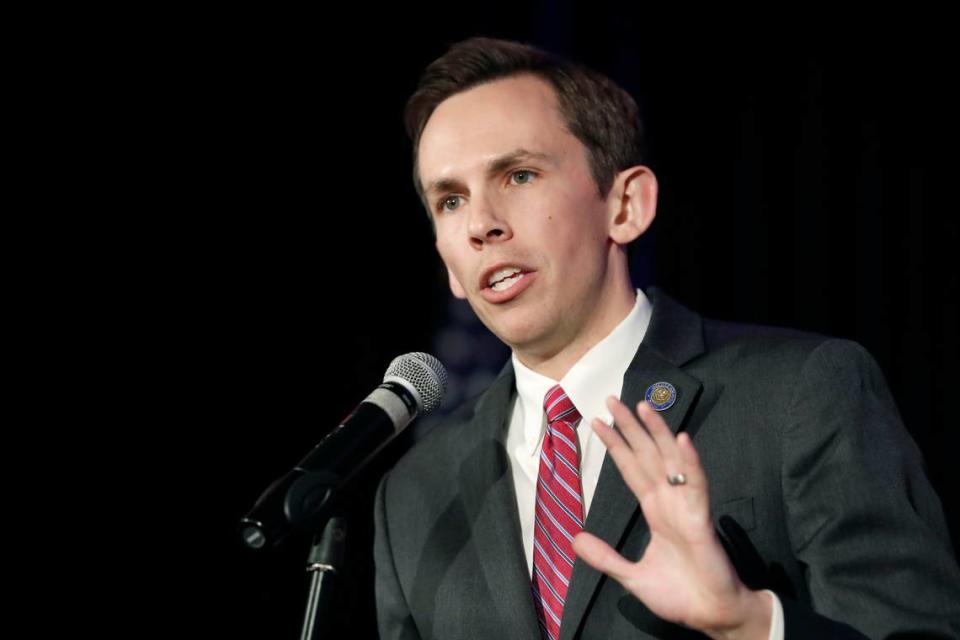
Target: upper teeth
{"x":500,"y":274}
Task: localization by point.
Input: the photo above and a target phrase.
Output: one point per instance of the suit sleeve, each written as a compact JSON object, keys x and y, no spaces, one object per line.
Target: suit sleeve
{"x":394,"y":620}
{"x":863,"y":518}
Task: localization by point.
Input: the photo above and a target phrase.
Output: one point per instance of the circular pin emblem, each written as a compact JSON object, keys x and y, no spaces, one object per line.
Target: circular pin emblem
{"x":661,"y":395}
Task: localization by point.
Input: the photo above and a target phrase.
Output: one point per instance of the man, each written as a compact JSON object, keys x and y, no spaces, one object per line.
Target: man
{"x":527,"y":517}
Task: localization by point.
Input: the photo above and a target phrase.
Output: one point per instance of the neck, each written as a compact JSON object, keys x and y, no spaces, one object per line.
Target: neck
{"x":555,"y":361}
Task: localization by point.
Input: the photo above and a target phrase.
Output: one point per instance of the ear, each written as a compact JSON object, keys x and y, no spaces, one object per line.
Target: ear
{"x":455,"y":287}
{"x":632,"y":204}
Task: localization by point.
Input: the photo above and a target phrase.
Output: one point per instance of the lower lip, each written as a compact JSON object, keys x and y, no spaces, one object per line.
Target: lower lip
{"x":499,"y":297}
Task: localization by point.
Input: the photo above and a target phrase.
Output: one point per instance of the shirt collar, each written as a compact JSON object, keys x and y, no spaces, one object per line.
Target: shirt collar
{"x":598,"y":374}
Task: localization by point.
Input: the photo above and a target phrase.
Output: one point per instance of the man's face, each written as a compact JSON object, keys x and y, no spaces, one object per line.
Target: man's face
{"x":520,"y":224}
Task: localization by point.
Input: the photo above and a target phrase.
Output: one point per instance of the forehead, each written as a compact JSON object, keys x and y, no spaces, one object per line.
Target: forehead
{"x":473,"y":127}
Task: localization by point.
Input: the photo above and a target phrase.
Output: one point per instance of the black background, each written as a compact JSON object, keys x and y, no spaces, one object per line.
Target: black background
{"x":805,"y":167}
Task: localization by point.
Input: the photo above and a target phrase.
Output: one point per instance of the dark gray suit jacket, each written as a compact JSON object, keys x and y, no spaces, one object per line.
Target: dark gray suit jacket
{"x":802,"y":445}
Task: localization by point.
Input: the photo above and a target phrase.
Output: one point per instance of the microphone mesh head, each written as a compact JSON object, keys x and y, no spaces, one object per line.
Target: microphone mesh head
{"x":425,"y":373}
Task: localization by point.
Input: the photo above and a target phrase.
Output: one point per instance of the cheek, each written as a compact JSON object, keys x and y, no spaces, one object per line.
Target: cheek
{"x":579,"y":226}
{"x":453,"y":260}
{"x":445,"y":249}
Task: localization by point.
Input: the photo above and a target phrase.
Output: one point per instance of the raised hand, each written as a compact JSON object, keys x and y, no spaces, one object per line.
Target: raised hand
{"x":684,"y":575}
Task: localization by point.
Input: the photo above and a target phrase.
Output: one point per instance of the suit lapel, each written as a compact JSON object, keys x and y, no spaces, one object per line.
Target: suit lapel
{"x":675,"y":336}
{"x":491,"y":505}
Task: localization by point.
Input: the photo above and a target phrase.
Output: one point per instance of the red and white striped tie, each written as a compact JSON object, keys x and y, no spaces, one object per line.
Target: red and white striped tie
{"x":559,"y":512}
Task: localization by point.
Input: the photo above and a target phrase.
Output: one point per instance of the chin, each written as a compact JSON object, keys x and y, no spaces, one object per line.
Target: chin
{"x":520,"y":328}
{"x":521,"y":340}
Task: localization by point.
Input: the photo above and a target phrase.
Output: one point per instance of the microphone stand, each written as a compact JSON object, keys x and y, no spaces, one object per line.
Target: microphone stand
{"x":324,"y":563}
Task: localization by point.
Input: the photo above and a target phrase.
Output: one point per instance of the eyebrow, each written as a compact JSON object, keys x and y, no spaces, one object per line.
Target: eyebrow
{"x":494,"y":167}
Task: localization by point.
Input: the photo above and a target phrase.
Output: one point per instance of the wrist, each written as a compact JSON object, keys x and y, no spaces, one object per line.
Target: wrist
{"x":751,"y":621}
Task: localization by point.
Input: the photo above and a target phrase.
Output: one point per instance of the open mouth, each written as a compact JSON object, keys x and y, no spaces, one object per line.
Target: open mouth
{"x":503,"y":279}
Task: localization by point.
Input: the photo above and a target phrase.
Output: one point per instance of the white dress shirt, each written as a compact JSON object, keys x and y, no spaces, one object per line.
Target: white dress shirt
{"x":597,"y":375}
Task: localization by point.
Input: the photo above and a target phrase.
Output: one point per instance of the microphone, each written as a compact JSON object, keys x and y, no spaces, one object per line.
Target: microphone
{"x":303,"y":498}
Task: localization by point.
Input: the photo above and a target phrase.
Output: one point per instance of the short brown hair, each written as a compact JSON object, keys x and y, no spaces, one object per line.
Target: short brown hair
{"x":604,"y":117}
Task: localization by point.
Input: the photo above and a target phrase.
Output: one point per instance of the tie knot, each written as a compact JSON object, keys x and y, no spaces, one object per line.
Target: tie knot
{"x":558,"y":406}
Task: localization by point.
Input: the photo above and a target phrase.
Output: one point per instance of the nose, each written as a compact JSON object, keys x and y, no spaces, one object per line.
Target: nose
{"x":487,"y":224}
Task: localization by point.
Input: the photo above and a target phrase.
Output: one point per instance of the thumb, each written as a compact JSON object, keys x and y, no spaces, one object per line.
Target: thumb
{"x":601,"y":556}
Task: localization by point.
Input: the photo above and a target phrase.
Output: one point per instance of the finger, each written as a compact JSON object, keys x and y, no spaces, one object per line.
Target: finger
{"x":662,"y":436}
{"x":629,"y":425}
{"x":643,"y":446}
{"x":690,"y":461}
{"x":602,"y":557}
{"x":639,"y":481}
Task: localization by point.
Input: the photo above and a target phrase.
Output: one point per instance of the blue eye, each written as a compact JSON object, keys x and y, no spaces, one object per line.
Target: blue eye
{"x":522,"y":176}
{"x":449,"y":203}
